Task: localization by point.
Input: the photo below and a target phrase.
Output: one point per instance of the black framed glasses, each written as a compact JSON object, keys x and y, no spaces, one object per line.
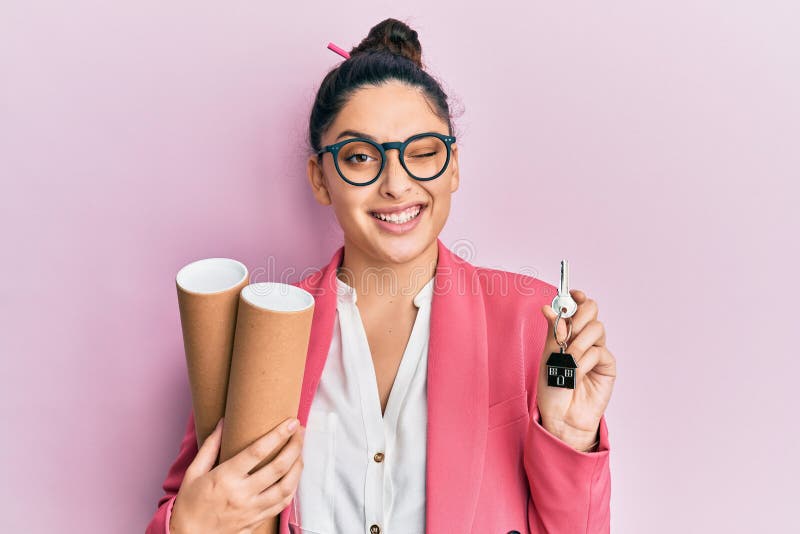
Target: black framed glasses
{"x":360,"y":161}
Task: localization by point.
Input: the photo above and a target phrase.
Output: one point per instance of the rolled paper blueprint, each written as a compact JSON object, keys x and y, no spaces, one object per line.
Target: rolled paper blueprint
{"x":208,"y":298}
{"x":273,"y":328}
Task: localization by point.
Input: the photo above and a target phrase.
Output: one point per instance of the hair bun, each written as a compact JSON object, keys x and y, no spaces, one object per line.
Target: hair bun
{"x":392,"y":35}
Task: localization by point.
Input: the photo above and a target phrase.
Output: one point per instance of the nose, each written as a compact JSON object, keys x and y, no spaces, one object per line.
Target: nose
{"x":395,"y":181}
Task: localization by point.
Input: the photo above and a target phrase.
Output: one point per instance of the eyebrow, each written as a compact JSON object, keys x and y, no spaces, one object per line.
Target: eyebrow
{"x":354,"y":133}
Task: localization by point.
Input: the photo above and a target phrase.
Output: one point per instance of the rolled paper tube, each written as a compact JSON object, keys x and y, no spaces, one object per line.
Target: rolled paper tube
{"x":267,"y":366}
{"x":208,"y":299}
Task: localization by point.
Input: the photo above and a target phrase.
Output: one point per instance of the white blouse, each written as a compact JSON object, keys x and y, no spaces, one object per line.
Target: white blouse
{"x":364,"y":471}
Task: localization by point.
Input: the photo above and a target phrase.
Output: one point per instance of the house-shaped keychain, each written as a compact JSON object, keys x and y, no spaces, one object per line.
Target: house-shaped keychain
{"x":561,"y":370}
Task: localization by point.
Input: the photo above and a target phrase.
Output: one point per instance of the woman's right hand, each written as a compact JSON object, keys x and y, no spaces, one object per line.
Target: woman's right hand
{"x":228,"y":500}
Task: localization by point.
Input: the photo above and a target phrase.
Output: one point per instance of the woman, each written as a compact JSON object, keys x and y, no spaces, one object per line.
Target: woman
{"x":425,"y":405}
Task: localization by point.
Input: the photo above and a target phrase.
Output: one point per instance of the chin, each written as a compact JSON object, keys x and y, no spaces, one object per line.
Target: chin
{"x":402,"y":249}
{"x":397,"y":248}
{"x":401,"y":253}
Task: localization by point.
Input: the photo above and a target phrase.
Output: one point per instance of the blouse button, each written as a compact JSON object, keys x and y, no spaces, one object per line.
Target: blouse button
{"x":375,"y":529}
{"x":378,"y":457}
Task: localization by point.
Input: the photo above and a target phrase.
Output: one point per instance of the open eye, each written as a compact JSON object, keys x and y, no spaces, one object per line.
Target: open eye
{"x":359,"y":157}
{"x":359,"y":153}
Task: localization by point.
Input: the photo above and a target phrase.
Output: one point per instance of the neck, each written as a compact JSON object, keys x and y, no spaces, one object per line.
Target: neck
{"x":381,"y":282}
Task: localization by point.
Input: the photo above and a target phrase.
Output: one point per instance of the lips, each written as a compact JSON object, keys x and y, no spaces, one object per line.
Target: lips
{"x":396,"y":209}
{"x":400,"y":217}
{"x":402,"y":222}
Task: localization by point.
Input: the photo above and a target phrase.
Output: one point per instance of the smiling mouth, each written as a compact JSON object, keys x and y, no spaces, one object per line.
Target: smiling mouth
{"x":400,"y":217}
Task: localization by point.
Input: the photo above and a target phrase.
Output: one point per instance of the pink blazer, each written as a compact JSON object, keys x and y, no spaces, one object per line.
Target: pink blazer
{"x":491,"y":466}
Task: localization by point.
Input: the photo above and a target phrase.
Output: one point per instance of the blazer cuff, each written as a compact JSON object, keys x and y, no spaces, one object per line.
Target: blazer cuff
{"x":169,"y":514}
{"x":542,"y":434}
{"x":159,"y":524}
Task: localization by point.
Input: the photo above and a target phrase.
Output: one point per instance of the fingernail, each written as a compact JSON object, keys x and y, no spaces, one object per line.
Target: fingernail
{"x":292,"y":424}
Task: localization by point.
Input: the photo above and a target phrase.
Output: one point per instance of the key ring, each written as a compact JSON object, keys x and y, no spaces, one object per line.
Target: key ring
{"x":562,"y":344}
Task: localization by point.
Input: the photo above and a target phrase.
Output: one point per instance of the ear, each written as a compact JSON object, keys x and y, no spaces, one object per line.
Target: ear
{"x":454,"y":177}
{"x":316,"y":179}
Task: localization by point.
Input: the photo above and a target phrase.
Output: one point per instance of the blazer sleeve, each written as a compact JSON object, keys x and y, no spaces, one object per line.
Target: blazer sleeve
{"x":570,"y":491}
{"x":159,"y":524}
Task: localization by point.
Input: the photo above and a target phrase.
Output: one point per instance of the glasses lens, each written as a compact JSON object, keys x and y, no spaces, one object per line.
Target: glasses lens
{"x":359,"y":161}
{"x":426,"y":156}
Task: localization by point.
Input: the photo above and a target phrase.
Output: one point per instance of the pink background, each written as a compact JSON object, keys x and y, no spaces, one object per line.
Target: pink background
{"x":654,"y":145}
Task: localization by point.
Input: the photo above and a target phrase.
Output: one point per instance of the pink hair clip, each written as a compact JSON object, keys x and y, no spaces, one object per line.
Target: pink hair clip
{"x":338,"y":50}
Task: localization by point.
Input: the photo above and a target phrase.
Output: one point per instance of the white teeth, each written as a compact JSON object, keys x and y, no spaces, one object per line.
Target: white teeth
{"x":399,"y":218}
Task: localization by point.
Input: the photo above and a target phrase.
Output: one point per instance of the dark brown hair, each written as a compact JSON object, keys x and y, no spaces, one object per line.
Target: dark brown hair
{"x":391,"y":51}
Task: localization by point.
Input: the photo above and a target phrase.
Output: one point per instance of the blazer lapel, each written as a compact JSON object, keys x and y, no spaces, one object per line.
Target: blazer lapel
{"x":457,"y":385}
{"x":322,"y":286}
{"x":457,"y":396}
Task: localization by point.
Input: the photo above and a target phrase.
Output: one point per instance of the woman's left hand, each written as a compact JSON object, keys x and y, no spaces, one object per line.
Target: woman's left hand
{"x":573,"y":415}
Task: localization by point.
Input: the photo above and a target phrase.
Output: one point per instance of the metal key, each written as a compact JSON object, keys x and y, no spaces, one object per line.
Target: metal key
{"x":561,"y":365}
{"x":564,"y":302}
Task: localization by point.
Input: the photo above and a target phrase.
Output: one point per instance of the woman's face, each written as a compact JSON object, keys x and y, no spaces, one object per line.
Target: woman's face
{"x":390,"y":112}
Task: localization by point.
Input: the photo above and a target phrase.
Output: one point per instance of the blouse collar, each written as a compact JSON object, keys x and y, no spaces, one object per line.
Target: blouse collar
{"x":346,"y":293}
